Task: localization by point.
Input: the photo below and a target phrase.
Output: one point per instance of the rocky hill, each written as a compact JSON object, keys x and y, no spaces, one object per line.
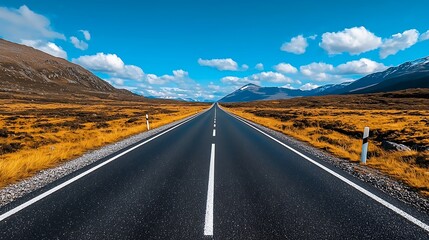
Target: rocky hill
{"x":25,"y":70}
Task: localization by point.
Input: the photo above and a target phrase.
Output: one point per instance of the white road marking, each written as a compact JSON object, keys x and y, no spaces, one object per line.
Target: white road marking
{"x":214,"y":132}
{"x":354,"y":185}
{"x":208,"y":225}
{"x":52,"y":190}
{"x":214,"y":125}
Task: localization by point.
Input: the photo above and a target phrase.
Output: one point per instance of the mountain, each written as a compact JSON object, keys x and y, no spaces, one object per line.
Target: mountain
{"x":26,"y":70}
{"x":252,"y":92}
{"x":414,"y":74}
{"x":329,"y":88}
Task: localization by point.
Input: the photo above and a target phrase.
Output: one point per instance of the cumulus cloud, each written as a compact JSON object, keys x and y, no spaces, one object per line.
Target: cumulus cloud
{"x":22,"y":23}
{"x":86,"y":34}
{"x":288,"y":86}
{"x":244,"y":67}
{"x":259,"y":66}
{"x":308,"y":86}
{"x":238,"y":81}
{"x":79,"y":44}
{"x":191,"y":90}
{"x":354,"y":40}
{"x":317,"y":71}
{"x":398,"y":42}
{"x":424,"y":36}
{"x":213,"y":87}
{"x":297,"y":45}
{"x":117,"y":81}
{"x":257,"y":78}
{"x":24,"y":26}
{"x":110,"y":64}
{"x":47,"y":47}
{"x":285,"y":68}
{"x":273,"y":77}
{"x":361,"y":66}
{"x":323,"y":72}
{"x":220,"y":64}
{"x":178,"y":76}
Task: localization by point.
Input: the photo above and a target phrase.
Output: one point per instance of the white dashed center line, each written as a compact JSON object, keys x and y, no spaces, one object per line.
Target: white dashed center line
{"x":208,"y":225}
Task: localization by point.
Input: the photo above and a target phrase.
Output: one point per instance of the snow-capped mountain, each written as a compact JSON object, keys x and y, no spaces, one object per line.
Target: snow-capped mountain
{"x":252,"y":92}
{"x":413,"y":74}
{"x":329,"y":88}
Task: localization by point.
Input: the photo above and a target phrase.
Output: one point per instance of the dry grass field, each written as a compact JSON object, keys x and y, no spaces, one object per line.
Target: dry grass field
{"x":336,"y":123}
{"x":39,"y":134}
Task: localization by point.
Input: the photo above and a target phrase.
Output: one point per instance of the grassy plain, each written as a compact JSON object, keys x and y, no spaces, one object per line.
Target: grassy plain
{"x":39,"y":134}
{"x":335,"y":124}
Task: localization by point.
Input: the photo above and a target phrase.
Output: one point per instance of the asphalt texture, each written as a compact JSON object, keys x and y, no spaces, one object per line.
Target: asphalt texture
{"x":159,"y":190}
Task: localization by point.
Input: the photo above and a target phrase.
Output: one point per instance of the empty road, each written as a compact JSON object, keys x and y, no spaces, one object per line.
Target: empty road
{"x":213,"y":176}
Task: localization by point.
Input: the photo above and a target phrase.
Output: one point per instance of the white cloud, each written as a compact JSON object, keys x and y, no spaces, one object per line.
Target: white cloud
{"x":22,"y":23}
{"x":244,"y":67}
{"x":117,"y":81}
{"x":177,"y":77}
{"x":79,"y":44}
{"x":354,"y":40}
{"x":424,"y":36}
{"x":308,"y":86}
{"x":259,"y":66}
{"x":288,"y":86}
{"x":86,"y":34}
{"x":191,"y":90}
{"x":110,"y":64}
{"x":317,"y":71}
{"x":220,"y":64}
{"x":273,"y":77}
{"x":297,"y":45}
{"x":257,"y":78}
{"x":361,"y":66}
{"x":323,"y":72}
{"x":238,"y":81}
{"x":47,"y":47}
{"x":285,"y":68}
{"x":213,"y":87}
{"x":398,"y":42}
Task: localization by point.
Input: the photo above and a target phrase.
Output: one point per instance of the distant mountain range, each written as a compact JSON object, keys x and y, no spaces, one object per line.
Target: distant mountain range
{"x":26,"y":70}
{"x":413,"y":74}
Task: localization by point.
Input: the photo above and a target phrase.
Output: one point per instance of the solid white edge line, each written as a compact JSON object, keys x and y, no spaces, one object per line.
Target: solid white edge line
{"x":354,"y":185}
{"x":208,"y":224}
{"x":58,"y":187}
{"x":214,"y":132}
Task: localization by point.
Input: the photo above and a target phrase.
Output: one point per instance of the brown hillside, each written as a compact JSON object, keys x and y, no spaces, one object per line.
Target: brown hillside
{"x":29,"y":71}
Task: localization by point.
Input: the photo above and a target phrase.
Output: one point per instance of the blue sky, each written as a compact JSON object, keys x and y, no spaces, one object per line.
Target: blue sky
{"x":206,"y":49}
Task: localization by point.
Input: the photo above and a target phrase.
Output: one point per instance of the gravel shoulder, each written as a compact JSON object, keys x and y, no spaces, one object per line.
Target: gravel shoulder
{"x":376,"y":178}
{"x":44,"y":177}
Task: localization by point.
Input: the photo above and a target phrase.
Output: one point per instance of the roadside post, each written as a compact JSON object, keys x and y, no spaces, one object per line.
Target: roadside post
{"x":147,"y":122}
{"x":364,"y":145}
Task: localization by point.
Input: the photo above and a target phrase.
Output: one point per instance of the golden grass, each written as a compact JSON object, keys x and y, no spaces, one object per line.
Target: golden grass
{"x":37,"y":136}
{"x":338,"y":130}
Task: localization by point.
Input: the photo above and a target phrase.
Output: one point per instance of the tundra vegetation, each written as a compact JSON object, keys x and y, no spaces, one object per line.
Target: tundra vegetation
{"x":38,"y":134}
{"x":336,"y":123}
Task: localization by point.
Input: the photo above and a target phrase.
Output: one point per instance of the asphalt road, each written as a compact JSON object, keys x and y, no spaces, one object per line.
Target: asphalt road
{"x":211,"y":177}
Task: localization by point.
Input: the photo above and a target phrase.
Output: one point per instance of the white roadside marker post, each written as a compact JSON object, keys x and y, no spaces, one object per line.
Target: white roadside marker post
{"x":147,"y":122}
{"x":364,"y":145}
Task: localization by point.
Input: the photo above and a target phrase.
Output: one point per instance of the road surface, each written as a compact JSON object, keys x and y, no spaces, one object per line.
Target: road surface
{"x":213,"y":176}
